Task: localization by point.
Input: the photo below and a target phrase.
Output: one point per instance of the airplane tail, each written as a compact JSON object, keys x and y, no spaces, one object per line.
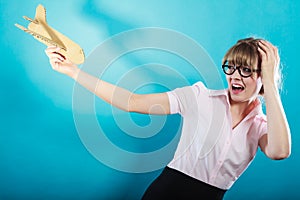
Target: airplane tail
{"x":40,"y":14}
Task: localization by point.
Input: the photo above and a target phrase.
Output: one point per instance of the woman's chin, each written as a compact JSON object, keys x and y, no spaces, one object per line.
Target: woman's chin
{"x":237,"y":97}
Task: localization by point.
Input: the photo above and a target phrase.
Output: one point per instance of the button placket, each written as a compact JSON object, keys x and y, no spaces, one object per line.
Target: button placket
{"x":221,"y":161}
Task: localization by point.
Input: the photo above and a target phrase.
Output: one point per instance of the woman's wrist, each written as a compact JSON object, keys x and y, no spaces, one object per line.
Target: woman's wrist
{"x":269,"y":81}
{"x":270,"y":89}
{"x":75,"y":72}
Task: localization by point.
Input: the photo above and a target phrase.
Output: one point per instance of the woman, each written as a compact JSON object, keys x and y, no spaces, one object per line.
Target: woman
{"x":198,"y":170}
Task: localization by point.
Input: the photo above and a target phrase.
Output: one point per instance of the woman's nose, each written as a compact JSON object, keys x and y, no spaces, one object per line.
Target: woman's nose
{"x":236,"y":75}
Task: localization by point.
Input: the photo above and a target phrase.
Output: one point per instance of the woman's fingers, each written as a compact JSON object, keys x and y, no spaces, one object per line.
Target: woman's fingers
{"x":268,"y":47}
{"x":51,"y":49}
{"x":263,"y":51}
{"x":264,"y":46}
{"x":56,"y":56}
{"x":268,"y":51}
{"x":56,"y":60}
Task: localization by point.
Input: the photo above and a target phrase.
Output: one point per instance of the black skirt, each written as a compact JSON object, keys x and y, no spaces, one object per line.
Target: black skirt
{"x":173,"y":184}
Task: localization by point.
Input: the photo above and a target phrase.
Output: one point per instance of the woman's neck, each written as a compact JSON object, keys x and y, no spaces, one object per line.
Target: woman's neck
{"x":239,"y":110}
{"x":243,"y":108}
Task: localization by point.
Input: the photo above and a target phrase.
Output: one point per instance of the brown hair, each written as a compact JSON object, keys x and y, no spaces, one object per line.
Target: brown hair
{"x":244,"y":52}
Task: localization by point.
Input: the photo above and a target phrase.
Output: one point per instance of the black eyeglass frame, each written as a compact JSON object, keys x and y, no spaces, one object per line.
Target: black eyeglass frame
{"x":239,"y":70}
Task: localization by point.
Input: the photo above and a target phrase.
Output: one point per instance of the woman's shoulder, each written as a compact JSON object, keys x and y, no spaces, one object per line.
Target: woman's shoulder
{"x":200,"y":88}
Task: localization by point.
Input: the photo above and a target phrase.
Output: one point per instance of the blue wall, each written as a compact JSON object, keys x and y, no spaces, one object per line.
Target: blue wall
{"x":41,"y":154}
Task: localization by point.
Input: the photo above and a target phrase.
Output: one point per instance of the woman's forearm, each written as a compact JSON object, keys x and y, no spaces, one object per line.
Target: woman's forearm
{"x":110,"y":93}
{"x":279,"y":139}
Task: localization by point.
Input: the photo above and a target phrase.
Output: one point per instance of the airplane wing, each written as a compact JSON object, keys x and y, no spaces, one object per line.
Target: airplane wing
{"x":40,"y":17}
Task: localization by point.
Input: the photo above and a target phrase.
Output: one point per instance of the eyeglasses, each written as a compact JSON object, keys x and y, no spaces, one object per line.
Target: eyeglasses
{"x":244,"y":71}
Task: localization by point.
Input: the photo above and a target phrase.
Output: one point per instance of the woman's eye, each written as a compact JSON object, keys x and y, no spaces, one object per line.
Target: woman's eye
{"x":246,"y":69}
{"x":230,"y":67}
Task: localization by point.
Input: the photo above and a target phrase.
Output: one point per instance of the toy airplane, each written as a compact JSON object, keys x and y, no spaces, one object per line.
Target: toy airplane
{"x":41,"y":31}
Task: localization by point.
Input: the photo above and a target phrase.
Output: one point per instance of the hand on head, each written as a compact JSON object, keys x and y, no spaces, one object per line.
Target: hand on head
{"x":269,"y":61}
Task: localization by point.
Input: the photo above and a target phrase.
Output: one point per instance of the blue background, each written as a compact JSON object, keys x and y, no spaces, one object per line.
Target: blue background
{"x":41,"y":155}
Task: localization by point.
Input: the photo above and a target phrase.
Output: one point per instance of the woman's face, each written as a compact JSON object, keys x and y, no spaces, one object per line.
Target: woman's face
{"x":243,"y":89}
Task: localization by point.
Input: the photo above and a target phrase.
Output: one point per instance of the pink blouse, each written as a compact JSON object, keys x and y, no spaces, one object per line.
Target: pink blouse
{"x":209,"y":149}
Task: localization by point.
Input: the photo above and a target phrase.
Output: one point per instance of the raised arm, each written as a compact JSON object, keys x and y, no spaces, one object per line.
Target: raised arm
{"x":277,"y":143}
{"x":117,"y":96}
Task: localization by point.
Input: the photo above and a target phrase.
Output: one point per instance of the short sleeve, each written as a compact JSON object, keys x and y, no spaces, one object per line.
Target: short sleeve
{"x":183,"y":99}
{"x":263,"y":128}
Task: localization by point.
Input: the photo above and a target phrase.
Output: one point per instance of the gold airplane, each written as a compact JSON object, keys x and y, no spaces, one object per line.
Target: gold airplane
{"x":41,"y":31}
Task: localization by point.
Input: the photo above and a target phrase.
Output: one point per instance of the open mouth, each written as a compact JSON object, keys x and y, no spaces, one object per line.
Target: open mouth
{"x":237,"y":88}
